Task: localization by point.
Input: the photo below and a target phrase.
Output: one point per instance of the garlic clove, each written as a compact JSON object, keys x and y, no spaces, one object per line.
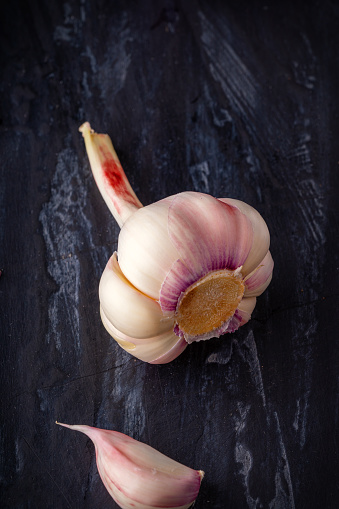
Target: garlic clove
{"x":145,"y":251}
{"x":246,"y":307}
{"x":155,"y":350}
{"x":209,"y":234}
{"x":259,"y":279}
{"x":138,"y":476}
{"x":109,"y":175}
{"x":172,"y":353}
{"x":132,"y":312}
{"x":261,"y":235}
{"x":242,"y":314}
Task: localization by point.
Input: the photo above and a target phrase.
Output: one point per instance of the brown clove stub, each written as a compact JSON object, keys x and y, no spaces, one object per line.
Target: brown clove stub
{"x":138,"y":476}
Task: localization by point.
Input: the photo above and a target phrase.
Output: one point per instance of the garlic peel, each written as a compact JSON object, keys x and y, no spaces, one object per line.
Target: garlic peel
{"x":109,"y":175}
{"x":138,"y":476}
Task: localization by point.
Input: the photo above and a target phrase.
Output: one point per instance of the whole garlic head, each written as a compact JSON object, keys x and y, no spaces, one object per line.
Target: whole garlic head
{"x":188,"y":267}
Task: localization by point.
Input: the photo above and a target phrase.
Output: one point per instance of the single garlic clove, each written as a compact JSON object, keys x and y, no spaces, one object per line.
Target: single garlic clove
{"x":261,"y":235}
{"x":258,"y":280}
{"x":208,"y":233}
{"x":242,"y":314}
{"x":138,"y":476}
{"x":145,"y":250}
{"x":133,"y":313}
{"x":155,"y":349}
{"x":179,"y":345}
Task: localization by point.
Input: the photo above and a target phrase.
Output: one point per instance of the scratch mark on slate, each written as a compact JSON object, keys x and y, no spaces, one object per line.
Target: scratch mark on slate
{"x":284,"y":498}
{"x":47,"y":472}
{"x":242,"y":453}
{"x":67,"y":275}
{"x":249,"y":353}
{"x":218,"y":358}
{"x":125,"y":391}
{"x":112,"y":72}
{"x":254,"y":169}
{"x":304,"y":338}
{"x":312,"y":210}
{"x":304,"y":71}
{"x":70,"y":30}
{"x":336,"y":413}
{"x":62,"y":33}
{"x":229,"y":70}
{"x":308,"y":193}
{"x":225,"y":355}
{"x":19,"y":456}
{"x":92,"y":60}
{"x":2,"y":210}
{"x":297,"y":416}
{"x":199,"y":174}
{"x":244,"y":456}
{"x":86,"y":86}
{"x":221,"y":116}
{"x":66,"y":228}
{"x":300,"y":420}
{"x":240,"y":422}
{"x":82,"y":10}
{"x":77,"y":379}
{"x":134,"y":412}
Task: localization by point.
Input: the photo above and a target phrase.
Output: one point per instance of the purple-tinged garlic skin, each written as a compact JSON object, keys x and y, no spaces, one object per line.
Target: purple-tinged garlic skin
{"x":138,"y":476}
{"x":188,"y":267}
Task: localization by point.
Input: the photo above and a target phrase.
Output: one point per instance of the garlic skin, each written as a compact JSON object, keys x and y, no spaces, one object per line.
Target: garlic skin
{"x":188,"y":267}
{"x":138,"y":476}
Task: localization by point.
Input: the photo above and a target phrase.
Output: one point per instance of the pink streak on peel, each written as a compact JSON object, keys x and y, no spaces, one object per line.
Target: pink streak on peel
{"x":116,"y":181}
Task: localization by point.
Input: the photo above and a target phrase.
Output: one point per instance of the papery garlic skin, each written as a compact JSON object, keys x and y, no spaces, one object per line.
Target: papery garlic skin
{"x":188,"y":267}
{"x":109,"y":175}
{"x":138,"y":476}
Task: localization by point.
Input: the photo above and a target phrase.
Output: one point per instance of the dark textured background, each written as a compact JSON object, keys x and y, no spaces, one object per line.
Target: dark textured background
{"x":232,"y":98}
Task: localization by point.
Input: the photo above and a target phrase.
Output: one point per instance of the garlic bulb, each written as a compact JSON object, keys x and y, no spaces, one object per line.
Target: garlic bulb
{"x":138,"y":476}
{"x":188,"y":267}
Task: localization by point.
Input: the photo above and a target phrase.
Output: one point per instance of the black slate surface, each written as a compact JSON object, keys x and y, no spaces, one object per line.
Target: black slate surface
{"x":234,"y":99}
